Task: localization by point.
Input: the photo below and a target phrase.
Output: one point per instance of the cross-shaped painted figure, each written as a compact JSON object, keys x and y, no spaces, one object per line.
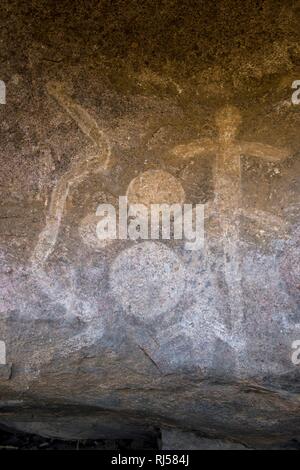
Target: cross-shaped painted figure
{"x":227,"y":203}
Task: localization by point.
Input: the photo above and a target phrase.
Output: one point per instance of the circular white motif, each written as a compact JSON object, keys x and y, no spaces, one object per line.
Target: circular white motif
{"x":155,"y":187}
{"x":147,"y":279}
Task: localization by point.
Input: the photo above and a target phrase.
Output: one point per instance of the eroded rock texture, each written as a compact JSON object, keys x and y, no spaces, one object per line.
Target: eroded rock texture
{"x":165,"y":102}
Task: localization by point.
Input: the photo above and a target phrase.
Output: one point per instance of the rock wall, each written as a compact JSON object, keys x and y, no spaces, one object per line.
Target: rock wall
{"x":162,"y":102}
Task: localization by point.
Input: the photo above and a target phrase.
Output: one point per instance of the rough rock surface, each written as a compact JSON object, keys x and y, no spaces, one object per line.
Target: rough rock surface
{"x":122,"y":338}
{"x":176,"y":440}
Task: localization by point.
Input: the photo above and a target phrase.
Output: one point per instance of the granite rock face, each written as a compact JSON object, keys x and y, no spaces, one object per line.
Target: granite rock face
{"x":162,"y":102}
